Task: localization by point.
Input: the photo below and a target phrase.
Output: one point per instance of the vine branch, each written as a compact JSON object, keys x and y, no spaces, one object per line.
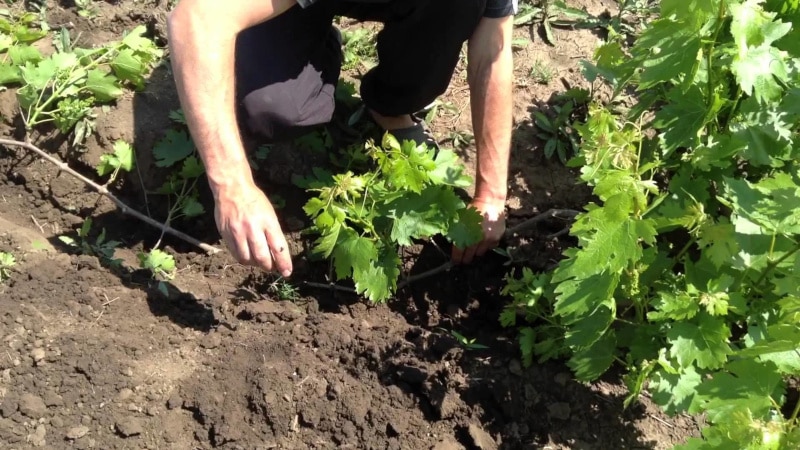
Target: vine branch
{"x":102,"y":190}
{"x":566,"y":214}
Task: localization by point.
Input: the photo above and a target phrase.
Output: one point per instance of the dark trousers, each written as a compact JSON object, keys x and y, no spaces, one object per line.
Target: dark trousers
{"x":287,"y":68}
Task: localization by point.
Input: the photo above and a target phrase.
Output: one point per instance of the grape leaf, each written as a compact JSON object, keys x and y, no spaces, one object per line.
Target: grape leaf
{"x":448,"y":171}
{"x":759,"y":71}
{"x":128,"y":67}
{"x":122,"y":158}
{"x":703,"y":341}
{"x":421,"y":215}
{"x":577,"y":297}
{"x":665,"y":50}
{"x":102,"y":86}
{"x":751,"y":26}
{"x":21,"y":54}
{"x":614,"y":243}
{"x":745,"y":384}
{"x":174,"y":147}
{"x":674,"y":392}
{"x":683,"y":117}
{"x":466,"y":230}
{"x":674,"y":306}
{"x":353,"y":254}
{"x":379,"y":281}
{"x":591,"y":362}
{"x":591,"y":327}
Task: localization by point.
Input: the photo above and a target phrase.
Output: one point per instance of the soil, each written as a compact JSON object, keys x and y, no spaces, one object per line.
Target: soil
{"x":99,"y":357}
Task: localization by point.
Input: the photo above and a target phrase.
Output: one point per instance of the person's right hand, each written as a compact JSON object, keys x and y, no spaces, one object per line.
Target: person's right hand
{"x":250,"y":229}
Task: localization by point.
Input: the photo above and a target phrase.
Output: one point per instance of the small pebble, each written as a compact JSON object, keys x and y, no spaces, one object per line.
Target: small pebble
{"x":37,"y":354}
{"x":129,"y":427}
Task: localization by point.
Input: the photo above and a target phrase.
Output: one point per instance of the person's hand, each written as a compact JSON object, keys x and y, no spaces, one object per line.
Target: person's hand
{"x":250,"y":229}
{"x":494,"y":226}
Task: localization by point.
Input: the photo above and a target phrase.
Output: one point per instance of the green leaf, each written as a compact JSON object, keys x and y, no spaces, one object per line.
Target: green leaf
{"x":591,"y":327}
{"x":379,"y":281}
{"x":191,"y":207}
{"x":122,"y":158}
{"x":527,"y":340}
{"x":128,"y":67}
{"x":751,"y":26}
{"x":422,"y":215}
{"x":192,"y":168}
{"x":703,"y":342}
{"x":614,"y":244}
{"x":353,"y":254}
{"x":102,"y":86}
{"x":467,"y":229}
{"x":674,"y":392}
{"x":174,"y":147}
{"x":665,"y":51}
{"x":21,"y":54}
{"x":9,"y":73}
{"x":684,"y":117}
{"x":745,"y":384}
{"x":591,"y":362}
{"x":759,"y":70}
{"x":579,"y":297}
{"x":448,"y":170}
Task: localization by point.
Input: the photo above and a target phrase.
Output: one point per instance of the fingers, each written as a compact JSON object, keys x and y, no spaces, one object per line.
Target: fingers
{"x":282,"y":258}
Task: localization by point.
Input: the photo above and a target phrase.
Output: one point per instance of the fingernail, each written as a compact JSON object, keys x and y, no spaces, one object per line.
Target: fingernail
{"x":286,"y":273}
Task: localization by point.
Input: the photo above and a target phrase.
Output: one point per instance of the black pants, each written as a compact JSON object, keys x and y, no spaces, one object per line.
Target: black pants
{"x":287,"y":68}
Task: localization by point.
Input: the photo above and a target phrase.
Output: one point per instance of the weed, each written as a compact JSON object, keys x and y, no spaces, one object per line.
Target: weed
{"x":7,"y":261}
{"x":284,"y":290}
{"x":467,"y":343}
{"x":101,"y":248}
{"x":541,"y":72}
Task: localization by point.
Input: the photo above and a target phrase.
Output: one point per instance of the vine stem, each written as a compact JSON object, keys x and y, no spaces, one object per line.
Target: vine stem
{"x":793,"y":417}
{"x":772,"y":265}
{"x":102,"y":190}
{"x":567,"y":214}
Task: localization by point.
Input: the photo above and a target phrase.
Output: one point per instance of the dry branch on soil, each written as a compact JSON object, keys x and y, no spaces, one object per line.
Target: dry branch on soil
{"x":102,"y":190}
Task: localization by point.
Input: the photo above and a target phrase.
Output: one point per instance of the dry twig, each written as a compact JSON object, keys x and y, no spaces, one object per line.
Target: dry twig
{"x":102,"y":190}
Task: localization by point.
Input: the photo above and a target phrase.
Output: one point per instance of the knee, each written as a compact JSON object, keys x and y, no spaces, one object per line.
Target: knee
{"x":290,"y":104}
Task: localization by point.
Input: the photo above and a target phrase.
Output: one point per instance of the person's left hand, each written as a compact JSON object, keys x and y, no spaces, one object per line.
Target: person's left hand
{"x":494,"y":226}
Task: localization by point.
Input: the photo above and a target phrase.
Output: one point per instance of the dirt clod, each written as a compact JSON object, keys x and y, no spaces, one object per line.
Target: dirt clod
{"x":77,"y":432}
{"x":32,"y":406}
{"x":481,"y":438}
{"x":129,"y":427}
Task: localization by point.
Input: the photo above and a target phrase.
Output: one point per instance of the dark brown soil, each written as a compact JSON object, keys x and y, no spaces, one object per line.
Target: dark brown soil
{"x":96,"y":357}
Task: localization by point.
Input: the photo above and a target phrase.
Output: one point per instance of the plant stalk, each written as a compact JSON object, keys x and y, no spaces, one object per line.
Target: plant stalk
{"x":105,"y":192}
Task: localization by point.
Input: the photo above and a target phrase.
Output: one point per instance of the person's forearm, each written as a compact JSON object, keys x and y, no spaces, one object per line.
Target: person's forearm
{"x":491,"y":81}
{"x":202,"y":38}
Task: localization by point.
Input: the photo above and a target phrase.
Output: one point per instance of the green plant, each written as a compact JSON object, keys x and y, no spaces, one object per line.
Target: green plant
{"x":408,"y":194}
{"x":283,"y":290}
{"x":557,"y":132}
{"x":63,"y":87}
{"x":177,"y":152}
{"x":7,"y":261}
{"x":160,"y":264}
{"x":541,"y":72}
{"x":86,"y":8}
{"x":358,"y":46}
{"x":467,"y":343}
{"x":101,"y":248}
{"x":122,"y":159}
{"x":686,"y":268}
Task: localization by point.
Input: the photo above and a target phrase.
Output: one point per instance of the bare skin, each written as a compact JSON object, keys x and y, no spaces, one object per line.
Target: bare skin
{"x":490,"y":73}
{"x":247,"y":222}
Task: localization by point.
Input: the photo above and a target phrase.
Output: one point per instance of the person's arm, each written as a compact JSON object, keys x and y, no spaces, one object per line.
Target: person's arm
{"x":490,"y":73}
{"x":202,"y":36}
